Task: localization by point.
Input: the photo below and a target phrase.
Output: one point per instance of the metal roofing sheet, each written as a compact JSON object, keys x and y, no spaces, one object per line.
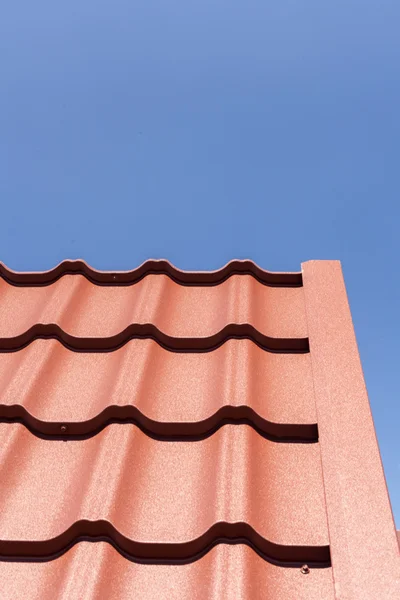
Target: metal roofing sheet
{"x":166,"y":393}
{"x":92,"y":316}
{"x":176,"y":414}
{"x":165,"y":498}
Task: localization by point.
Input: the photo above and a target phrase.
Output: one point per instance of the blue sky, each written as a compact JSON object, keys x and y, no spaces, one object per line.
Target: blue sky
{"x":205,"y":131}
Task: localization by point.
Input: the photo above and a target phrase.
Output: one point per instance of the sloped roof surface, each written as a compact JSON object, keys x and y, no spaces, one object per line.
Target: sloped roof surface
{"x":185,"y":435}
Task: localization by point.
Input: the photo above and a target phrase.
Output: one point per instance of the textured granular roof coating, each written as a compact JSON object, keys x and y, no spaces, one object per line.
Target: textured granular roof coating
{"x":170,"y":392}
{"x":161,"y":492}
{"x":84,"y":310}
{"x":165,"y":444}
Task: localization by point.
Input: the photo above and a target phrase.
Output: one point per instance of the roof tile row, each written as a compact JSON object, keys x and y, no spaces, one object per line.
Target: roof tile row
{"x":165,"y":498}
{"x":92,"y":316}
{"x":167,"y":393}
{"x":192,"y":452}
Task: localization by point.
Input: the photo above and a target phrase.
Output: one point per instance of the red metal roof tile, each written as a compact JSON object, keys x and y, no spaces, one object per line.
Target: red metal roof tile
{"x":91,"y":316}
{"x":186,"y":440}
{"x":165,"y":498}
{"x":167,"y":393}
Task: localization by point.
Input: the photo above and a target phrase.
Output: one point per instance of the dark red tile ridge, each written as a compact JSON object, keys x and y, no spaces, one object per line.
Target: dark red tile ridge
{"x":232,"y":572}
{"x":161,"y":266}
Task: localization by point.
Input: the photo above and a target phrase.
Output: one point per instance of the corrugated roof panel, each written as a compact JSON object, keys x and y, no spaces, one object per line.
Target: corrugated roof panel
{"x":180,"y":417}
{"x":167,"y":393}
{"x":81,"y":313}
{"x":165,"y":498}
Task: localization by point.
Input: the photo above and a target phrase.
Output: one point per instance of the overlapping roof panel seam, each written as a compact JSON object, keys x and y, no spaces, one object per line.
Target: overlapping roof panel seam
{"x":162,"y":431}
{"x":149,"y":331}
{"x":167,"y":552}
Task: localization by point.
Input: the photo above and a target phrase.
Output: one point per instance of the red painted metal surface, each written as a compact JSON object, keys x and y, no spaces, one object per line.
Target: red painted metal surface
{"x":180,"y":417}
{"x":244,"y":267}
{"x":361,"y":528}
{"x":88,"y":316}
{"x":97,"y":570}
{"x":161,"y":499}
{"x":166,"y":393}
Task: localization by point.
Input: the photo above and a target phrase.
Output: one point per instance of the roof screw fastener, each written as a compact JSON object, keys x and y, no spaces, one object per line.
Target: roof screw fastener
{"x":305,"y":569}
{"x":64,"y":428}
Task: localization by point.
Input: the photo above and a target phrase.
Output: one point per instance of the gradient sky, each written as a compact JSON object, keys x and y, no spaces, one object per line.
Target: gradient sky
{"x":205,"y":131}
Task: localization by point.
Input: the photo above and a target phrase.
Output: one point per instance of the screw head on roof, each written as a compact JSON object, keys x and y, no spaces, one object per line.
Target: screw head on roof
{"x":305,"y":569}
{"x":63,"y":428}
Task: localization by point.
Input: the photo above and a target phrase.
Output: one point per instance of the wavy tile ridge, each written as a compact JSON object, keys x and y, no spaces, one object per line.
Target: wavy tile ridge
{"x":167,"y":431}
{"x":149,"y":331}
{"x":189,"y":278}
{"x":165,"y":553}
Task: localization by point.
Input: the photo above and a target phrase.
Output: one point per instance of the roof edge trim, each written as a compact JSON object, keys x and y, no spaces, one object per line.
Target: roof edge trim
{"x":351,"y":464}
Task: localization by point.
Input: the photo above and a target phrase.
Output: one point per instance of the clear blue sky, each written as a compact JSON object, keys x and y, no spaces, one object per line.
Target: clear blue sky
{"x":204,"y":131}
